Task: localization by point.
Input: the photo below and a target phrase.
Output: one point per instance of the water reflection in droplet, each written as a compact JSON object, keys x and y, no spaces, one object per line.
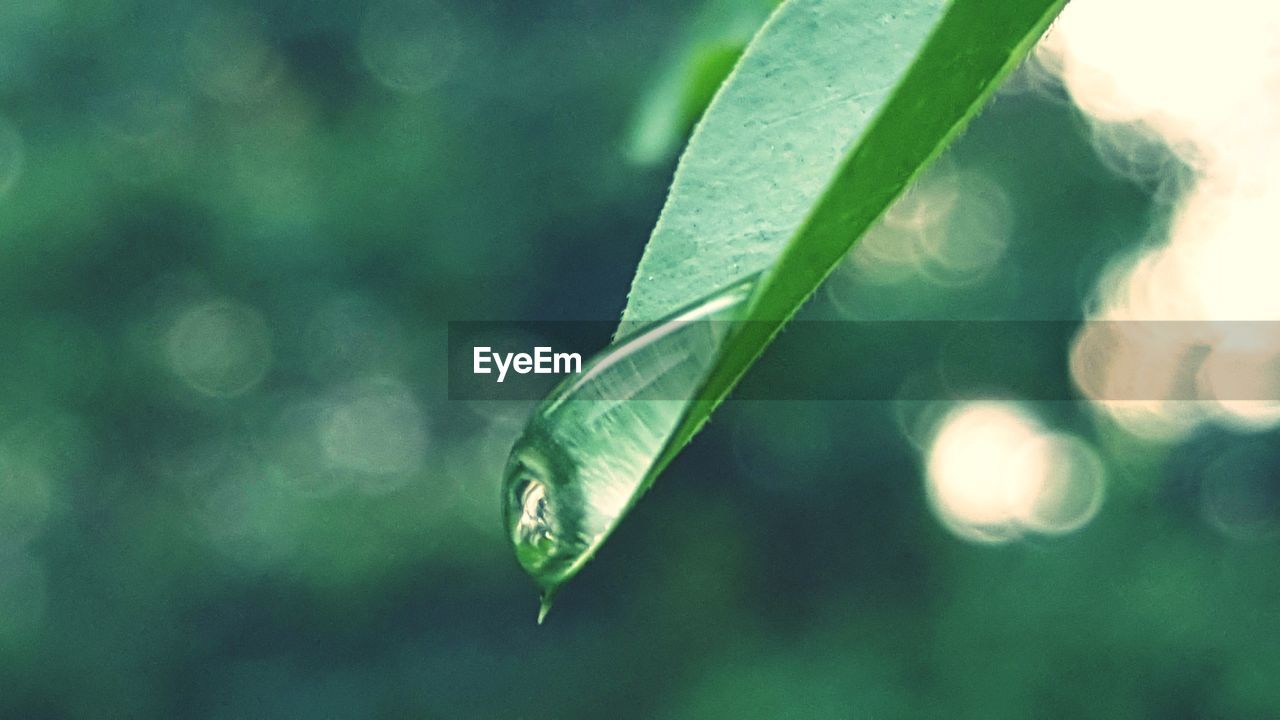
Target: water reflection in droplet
{"x":587,"y":451}
{"x":534,"y":526}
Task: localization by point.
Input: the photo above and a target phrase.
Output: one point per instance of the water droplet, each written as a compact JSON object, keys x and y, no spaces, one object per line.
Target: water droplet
{"x":588,"y":450}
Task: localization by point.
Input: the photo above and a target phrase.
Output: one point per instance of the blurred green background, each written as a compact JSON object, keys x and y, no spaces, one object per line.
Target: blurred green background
{"x":231,"y":485}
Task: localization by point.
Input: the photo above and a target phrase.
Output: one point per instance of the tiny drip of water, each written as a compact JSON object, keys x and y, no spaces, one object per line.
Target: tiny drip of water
{"x":589,"y":448}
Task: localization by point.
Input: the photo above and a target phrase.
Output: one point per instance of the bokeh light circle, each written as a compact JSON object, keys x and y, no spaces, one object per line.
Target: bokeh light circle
{"x":220,"y":348}
{"x":409,"y":46}
{"x":994,"y":473}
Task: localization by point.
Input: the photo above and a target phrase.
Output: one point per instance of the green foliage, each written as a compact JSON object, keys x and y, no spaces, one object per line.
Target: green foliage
{"x":306,"y":549}
{"x":833,"y":109}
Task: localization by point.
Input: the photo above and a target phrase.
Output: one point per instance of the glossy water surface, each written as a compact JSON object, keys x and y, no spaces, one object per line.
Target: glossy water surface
{"x":588,"y":449}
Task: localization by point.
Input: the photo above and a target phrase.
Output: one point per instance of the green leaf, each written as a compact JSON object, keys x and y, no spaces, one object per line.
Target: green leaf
{"x":834,"y":108}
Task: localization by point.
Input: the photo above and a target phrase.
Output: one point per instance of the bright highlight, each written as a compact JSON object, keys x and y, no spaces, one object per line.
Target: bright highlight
{"x":994,"y":473}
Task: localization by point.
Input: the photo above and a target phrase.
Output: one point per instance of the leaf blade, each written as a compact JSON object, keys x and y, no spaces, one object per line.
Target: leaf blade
{"x":871,"y":173}
{"x":770,"y":141}
{"x":834,"y":226}
{"x":838,"y":185}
